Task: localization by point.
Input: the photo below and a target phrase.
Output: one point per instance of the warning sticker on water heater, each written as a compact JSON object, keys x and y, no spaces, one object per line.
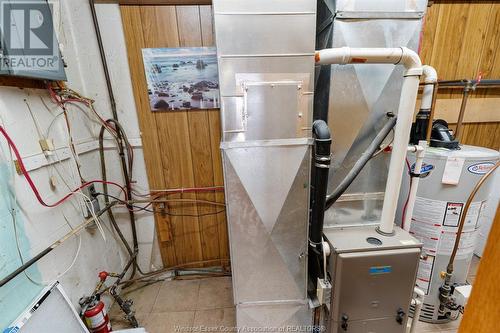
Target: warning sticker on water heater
{"x":453,"y":213}
{"x":435,"y":224}
{"x":449,"y":231}
{"x":424,"y":274}
{"x":426,"y":222}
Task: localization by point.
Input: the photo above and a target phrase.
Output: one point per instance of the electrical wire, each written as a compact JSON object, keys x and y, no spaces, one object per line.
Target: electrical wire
{"x":65,"y":95}
{"x":408,"y":196}
{"x":200,"y":201}
{"x":71,"y":145}
{"x":384,"y":147}
{"x":35,"y":121}
{"x":13,"y":211}
{"x":32,"y":184}
{"x":182,"y":190}
{"x":140,"y":208}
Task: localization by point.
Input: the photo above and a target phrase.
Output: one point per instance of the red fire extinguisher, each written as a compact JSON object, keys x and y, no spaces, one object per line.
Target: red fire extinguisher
{"x":96,"y":318}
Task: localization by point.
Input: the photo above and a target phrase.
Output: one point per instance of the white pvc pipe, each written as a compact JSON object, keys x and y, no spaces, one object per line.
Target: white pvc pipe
{"x":420,"y":153}
{"x":419,"y":302}
{"x":410,"y":60}
{"x":430,"y":78}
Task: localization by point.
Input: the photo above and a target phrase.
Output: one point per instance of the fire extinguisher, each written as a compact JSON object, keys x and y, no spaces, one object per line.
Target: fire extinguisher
{"x":96,"y":318}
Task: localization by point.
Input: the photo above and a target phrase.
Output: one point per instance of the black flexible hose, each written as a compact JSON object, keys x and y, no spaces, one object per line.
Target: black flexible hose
{"x":361,"y":162}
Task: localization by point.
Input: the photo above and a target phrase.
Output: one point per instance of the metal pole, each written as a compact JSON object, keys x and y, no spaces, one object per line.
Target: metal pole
{"x":49,"y":249}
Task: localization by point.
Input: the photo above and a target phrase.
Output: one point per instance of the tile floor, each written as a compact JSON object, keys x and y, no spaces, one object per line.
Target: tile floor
{"x":168,"y":306}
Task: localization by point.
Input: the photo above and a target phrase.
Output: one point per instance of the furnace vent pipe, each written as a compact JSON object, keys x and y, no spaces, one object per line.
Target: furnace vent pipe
{"x":397,"y":56}
{"x":425,"y":116}
{"x":430,"y":79}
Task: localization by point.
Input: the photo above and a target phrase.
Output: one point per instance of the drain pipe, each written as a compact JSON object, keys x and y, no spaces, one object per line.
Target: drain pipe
{"x":423,"y":124}
{"x":419,"y":302}
{"x":430,"y":79}
{"x":397,"y":56}
{"x":322,"y":158}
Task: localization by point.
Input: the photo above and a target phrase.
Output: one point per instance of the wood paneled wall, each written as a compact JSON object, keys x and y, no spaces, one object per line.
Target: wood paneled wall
{"x":181,"y":148}
{"x":481,"y":134}
{"x":462,"y":39}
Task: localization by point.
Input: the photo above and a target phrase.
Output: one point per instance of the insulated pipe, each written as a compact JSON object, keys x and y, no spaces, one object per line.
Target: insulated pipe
{"x":410,"y":60}
{"x":420,"y":153}
{"x":323,"y":140}
{"x":361,"y":162}
{"x":321,"y":167}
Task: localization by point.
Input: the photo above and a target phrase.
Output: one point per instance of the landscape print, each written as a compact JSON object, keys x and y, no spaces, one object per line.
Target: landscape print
{"x":182,"y":78}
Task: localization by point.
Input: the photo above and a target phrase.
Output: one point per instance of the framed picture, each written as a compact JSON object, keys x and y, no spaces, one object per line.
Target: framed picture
{"x":182,"y":78}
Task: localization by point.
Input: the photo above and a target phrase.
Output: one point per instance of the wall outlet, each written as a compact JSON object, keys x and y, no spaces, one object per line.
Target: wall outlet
{"x":91,"y":192}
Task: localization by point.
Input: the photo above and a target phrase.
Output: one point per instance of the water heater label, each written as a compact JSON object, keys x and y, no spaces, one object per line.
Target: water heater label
{"x":380,"y":270}
{"x":425,"y":170}
{"x":480,"y":168}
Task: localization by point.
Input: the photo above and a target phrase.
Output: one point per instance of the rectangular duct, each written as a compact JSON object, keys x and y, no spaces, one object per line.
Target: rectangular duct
{"x":265,"y":51}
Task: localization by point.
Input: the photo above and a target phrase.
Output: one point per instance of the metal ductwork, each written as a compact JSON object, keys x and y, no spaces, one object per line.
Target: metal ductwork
{"x":265,"y":52}
{"x":355,"y":98}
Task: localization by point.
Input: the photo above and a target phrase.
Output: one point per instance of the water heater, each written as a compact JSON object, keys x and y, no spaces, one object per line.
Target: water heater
{"x":448,"y":178}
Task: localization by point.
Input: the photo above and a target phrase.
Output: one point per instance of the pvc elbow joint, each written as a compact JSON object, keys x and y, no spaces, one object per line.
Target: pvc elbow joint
{"x":429,"y":73}
{"x":411,"y":61}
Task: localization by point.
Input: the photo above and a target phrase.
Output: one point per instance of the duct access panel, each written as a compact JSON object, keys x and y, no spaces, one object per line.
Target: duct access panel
{"x":373,"y":277}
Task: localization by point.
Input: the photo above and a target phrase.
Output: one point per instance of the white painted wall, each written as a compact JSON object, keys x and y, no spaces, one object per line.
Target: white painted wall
{"x":45,"y":225}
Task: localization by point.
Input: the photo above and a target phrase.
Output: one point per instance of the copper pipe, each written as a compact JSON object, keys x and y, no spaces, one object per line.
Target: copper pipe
{"x":464,"y":214}
{"x":465,"y":97}
{"x":431,"y":115}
